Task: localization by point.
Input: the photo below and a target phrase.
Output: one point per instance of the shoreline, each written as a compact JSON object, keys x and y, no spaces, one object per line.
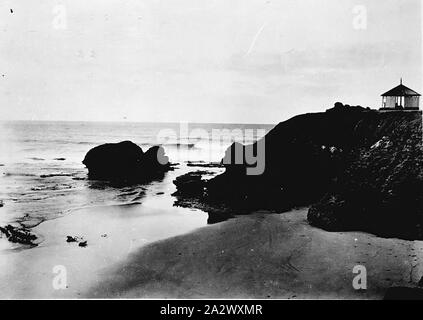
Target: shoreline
{"x":153,"y":249}
{"x":112,"y":233}
{"x":262,"y":255}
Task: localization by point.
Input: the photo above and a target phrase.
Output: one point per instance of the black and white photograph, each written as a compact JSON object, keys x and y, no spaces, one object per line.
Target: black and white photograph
{"x":238,"y":151}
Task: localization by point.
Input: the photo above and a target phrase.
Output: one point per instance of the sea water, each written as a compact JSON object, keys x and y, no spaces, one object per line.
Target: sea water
{"x":42,"y":176}
{"x":44,"y":186}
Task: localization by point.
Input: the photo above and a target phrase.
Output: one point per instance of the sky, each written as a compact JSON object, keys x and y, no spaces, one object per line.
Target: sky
{"x":225,"y":61}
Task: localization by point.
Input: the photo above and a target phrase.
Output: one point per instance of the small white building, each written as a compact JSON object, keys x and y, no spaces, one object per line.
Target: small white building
{"x":400,"y":98}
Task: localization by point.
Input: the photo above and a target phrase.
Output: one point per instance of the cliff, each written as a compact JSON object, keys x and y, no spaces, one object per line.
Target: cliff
{"x":381,"y":189}
{"x":359,"y":169}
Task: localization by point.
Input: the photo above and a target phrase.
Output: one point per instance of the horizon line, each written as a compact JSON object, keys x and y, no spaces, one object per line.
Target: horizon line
{"x":131,"y":121}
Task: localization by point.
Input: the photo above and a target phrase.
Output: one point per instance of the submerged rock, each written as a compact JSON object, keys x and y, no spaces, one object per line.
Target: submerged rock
{"x":125,"y":161}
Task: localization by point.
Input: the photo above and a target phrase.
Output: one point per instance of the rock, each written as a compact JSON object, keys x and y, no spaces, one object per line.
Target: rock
{"x":113,"y":160}
{"x":381,"y":189}
{"x":83,"y":244}
{"x":71,"y":239}
{"x":216,"y":217}
{"x":191,"y":194}
{"x":60,"y":159}
{"x":154,"y":159}
{"x":204,"y":164}
{"x":125,"y":161}
{"x":339,"y":107}
{"x":56,"y":175}
{"x":358,"y":169}
{"x":190,"y":184}
{"x":18,"y":235}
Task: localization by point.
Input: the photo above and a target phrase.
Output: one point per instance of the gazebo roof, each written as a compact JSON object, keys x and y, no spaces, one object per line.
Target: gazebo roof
{"x":400,"y":90}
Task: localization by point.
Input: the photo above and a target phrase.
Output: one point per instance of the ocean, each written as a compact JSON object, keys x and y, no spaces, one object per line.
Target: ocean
{"x":42,"y":176}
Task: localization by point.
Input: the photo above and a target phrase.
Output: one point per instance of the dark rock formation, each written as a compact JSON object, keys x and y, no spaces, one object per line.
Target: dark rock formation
{"x":83,"y":243}
{"x":155,"y":160}
{"x":360,"y":169}
{"x":204,"y":164}
{"x":18,"y":235}
{"x":191,"y":193}
{"x":80,"y":240}
{"x":71,"y":239}
{"x":301,"y":157}
{"x":381,"y":188}
{"x":190,"y":184}
{"x":125,"y":161}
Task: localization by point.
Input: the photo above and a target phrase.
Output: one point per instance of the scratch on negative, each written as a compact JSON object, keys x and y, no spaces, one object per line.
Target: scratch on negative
{"x":253,"y":43}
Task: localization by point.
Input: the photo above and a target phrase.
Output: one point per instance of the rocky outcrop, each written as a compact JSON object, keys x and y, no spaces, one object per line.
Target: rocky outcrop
{"x":301,"y":157}
{"x":191,"y":193}
{"x":18,"y":235}
{"x":359,"y":169}
{"x":381,"y":189}
{"x":125,"y":161}
{"x":190,"y":184}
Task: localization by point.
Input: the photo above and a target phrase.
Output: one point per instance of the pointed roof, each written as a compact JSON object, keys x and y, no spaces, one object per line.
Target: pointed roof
{"x":400,"y":90}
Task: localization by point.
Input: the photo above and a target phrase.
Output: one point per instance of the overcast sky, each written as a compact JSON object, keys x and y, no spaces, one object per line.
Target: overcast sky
{"x":242,"y":61}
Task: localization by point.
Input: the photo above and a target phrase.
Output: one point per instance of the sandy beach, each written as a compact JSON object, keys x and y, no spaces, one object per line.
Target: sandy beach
{"x":261,"y":255}
{"x":264,"y":256}
{"x":112,"y":232}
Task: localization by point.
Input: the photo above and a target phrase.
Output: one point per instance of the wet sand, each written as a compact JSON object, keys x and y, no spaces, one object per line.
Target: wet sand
{"x":112,"y":234}
{"x":264,"y":256}
{"x":261,"y":255}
